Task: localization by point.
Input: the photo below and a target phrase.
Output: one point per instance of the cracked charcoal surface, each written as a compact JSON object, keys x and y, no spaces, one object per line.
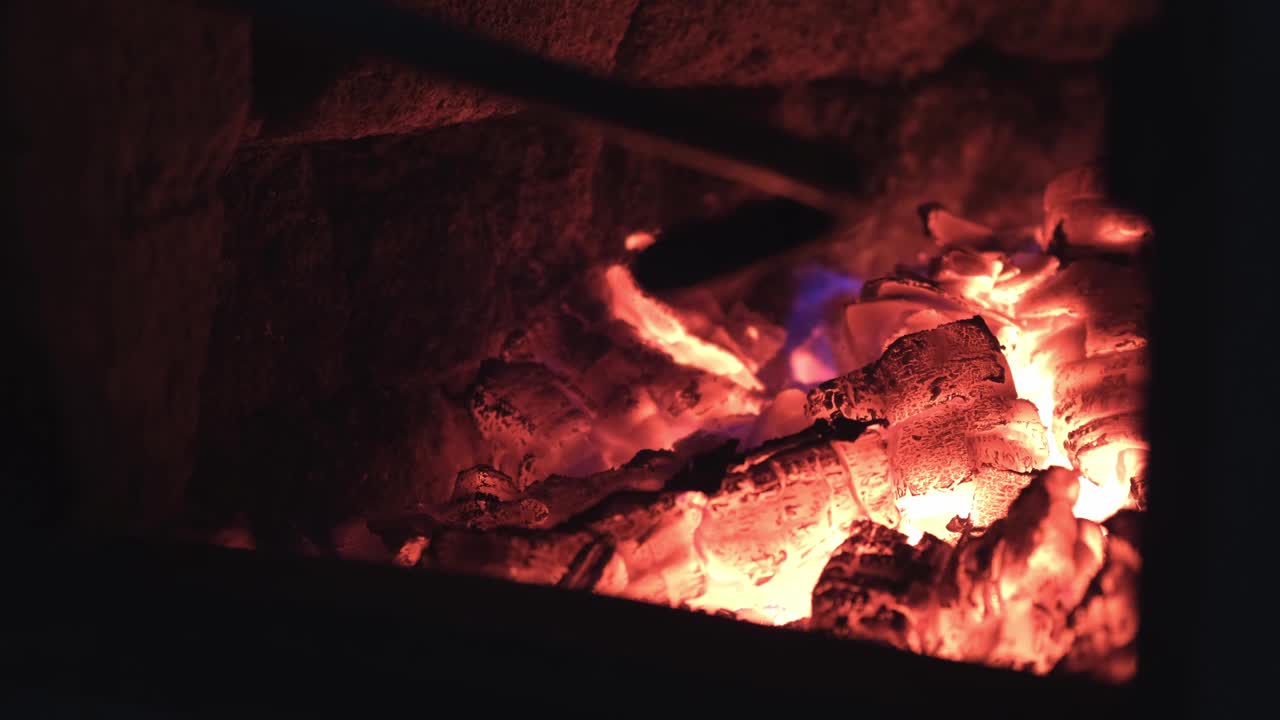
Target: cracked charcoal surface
{"x":1016,"y":597}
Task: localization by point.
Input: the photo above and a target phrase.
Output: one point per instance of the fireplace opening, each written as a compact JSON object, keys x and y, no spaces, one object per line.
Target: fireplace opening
{"x":830,"y":322}
{"x":949,"y":459}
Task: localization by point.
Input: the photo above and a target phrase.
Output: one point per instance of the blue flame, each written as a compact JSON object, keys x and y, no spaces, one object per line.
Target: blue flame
{"x":819,"y":287}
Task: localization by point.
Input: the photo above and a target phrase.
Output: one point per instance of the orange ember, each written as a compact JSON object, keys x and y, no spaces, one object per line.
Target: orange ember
{"x":932,"y":471}
{"x":638,"y":241}
{"x":659,"y":325}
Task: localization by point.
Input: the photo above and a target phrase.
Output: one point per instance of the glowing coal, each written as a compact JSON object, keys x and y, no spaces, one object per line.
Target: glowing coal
{"x":658,"y":325}
{"x":929,"y":459}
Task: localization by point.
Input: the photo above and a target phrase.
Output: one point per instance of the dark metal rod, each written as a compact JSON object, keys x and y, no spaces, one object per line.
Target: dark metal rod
{"x":644,"y":119}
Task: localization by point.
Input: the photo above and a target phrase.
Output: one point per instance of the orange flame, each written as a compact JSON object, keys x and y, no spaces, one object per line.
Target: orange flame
{"x":658,"y":325}
{"x":639,"y":241}
{"x":1034,"y":380}
{"x":787,"y":596}
{"x":930,"y":512}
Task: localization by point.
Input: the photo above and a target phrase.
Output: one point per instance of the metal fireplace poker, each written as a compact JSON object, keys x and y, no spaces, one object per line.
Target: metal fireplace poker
{"x":812,"y":188}
{"x":698,"y":136}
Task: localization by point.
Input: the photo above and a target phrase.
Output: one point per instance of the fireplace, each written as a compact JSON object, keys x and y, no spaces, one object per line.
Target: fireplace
{"x":636,"y":345}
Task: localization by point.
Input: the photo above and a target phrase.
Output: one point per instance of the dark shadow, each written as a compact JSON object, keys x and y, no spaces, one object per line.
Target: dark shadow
{"x":1186,"y":151}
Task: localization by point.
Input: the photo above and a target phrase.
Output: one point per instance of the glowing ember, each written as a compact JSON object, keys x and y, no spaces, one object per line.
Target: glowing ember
{"x":978,"y":421}
{"x":1098,"y":502}
{"x":932,"y":512}
{"x":639,"y":240}
{"x":1034,"y":382}
{"x":657,"y":324}
{"x":1004,"y":289}
{"x":808,"y":366}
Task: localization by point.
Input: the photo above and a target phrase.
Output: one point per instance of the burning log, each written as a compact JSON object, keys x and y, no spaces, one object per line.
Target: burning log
{"x":754,"y":547}
{"x":1008,"y":599}
{"x":769,"y":530}
{"x":953,"y":415}
{"x":1105,"y":624}
{"x":535,"y":420}
{"x":959,"y":360}
{"x":521,"y":556}
{"x":1015,"y":597}
{"x":993,"y":282}
{"x":1074,"y":335}
{"x":558,"y":498}
{"x":875,"y":585}
{"x":892,"y":307}
{"x":805,"y":529}
{"x":487,"y":499}
{"x":950,"y":230}
{"x":631,"y":378}
{"x":1091,"y":317}
{"x":1078,"y":214}
{"x":643,"y":550}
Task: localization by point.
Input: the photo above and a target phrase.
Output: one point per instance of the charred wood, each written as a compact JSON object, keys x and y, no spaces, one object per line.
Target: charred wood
{"x":767,"y":531}
{"x":952,"y":413}
{"x":1026,"y":594}
{"x":1106,"y":622}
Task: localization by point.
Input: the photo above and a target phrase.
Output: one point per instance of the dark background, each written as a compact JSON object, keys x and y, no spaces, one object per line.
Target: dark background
{"x":1193,"y":146}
